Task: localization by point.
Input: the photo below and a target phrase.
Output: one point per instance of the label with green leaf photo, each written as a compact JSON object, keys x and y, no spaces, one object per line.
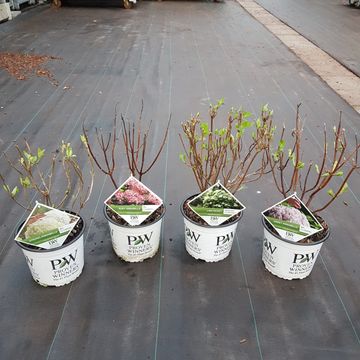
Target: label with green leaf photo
{"x":216,"y":205}
{"x":46,"y":227}
{"x":291,"y":219}
{"x":133,"y":201}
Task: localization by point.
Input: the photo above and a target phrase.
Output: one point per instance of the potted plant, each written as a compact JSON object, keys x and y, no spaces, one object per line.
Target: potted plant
{"x":132,"y":243}
{"x":56,"y":180}
{"x":327,"y":176}
{"x":233,"y":154}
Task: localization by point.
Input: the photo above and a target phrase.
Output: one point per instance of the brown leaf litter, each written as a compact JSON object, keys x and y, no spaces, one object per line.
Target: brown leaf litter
{"x":22,"y":66}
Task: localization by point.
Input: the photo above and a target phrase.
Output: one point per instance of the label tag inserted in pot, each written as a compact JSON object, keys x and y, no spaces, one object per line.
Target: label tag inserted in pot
{"x":216,"y":205}
{"x":133,"y":201}
{"x":291,"y":219}
{"x":46,"y":227}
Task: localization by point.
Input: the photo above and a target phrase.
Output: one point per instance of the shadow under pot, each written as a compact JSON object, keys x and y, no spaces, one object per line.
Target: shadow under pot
{"x":136,"y":243}
{"x":58,"y":266}
{"x":287,"y":259}
{"x":205,"y":242}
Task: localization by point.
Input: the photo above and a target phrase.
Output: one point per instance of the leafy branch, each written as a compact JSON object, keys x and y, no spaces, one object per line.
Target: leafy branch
{"x":308,"y":180}
{"x":213,"y":153}
{"x":34,"y":175}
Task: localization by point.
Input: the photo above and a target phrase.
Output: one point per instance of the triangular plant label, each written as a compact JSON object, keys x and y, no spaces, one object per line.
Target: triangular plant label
{"x":216,"y":205}
{"x":291,"y":219}
{"x":46,"y":227}
{"x":133,"y":201}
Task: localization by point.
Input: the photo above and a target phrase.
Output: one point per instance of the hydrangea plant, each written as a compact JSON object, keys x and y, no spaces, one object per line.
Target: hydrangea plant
{"x":330,"y":173}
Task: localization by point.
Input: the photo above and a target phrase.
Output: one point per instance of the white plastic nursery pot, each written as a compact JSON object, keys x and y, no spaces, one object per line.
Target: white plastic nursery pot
{"x":135,"y":243}
{"x":56,"y":267}
{"x":208,"y":243}
{"x":286,"y":259}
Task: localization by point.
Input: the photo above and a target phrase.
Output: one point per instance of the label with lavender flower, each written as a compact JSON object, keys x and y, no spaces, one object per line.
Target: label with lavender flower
{"x":46,"y":227}
{"x":133,"y":201}
{"x":291,"y":219}
{"x":216,"y":205}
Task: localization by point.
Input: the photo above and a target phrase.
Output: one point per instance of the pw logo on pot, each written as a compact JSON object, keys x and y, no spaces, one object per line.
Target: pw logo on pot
{"x":269,"y":247}
{"x":140,"y":239}
{"x":191,"y":235}
{"x":66,"y":260}
{"x":301,"y":258}
{"x":224,"y":238}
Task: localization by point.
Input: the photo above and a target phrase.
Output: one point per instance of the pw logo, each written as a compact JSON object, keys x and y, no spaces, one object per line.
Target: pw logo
{"x":140,"y":239}
{"x":224,"y":239}
{"x":302,"y":258}
{"x":66,"y":260}
{"x":191,"y":235}
{"x":269,"y":247}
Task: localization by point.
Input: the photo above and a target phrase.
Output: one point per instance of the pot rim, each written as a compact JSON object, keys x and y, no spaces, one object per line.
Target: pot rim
{"x":23,"y":246}
{"x":135,"y":226}
{"x":266,"y":226}
{"x":207,"y":226}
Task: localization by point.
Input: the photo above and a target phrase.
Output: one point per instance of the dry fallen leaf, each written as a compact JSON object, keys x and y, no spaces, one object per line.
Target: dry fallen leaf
{"x":21,"y":66}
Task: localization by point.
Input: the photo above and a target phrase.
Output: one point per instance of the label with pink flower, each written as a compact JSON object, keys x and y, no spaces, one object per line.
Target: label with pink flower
{"x":133,"y":201}
{"x":291,"y":219}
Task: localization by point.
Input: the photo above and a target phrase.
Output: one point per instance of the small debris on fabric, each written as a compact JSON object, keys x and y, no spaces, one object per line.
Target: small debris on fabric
{"x":22,"y":65}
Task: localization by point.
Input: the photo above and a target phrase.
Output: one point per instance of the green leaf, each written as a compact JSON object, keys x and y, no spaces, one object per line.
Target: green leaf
{"x":325,"y":174}
{"x":6,"y":188}
{"x":344,"y":188}
{"x":339,"y":173}
{"x":204,"y":128}
{"x":281,"y":145}
{"x":40,"y":153}
{"x":14,"y":191}
{"x":182,"y":157}
{"x":83,"y":139}
{"x":246,"y":124}
{"x":246,"y":114}
{"x":317,"y":168}
{"x":33,"y":160}
{"x":258,"y":123}
{"x":331,"y":192}
{"x":27,"y":155}
{"x":300,"y":165}
{"x":275,"y":156}
{"x":25,"y":182}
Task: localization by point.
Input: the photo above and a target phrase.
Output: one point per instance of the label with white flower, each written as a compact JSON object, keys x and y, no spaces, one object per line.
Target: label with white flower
{"x":216,"y":205}
{"x":133,"y":201}
{"x":291,"y":219}
{"x":46,"y":227}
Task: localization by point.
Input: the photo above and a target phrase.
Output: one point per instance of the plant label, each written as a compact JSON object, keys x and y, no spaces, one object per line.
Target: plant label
{"x":216,"y":205}
{"x":46,"y":227}
{"x":133,"y":201}
{"x":291,"y":219}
